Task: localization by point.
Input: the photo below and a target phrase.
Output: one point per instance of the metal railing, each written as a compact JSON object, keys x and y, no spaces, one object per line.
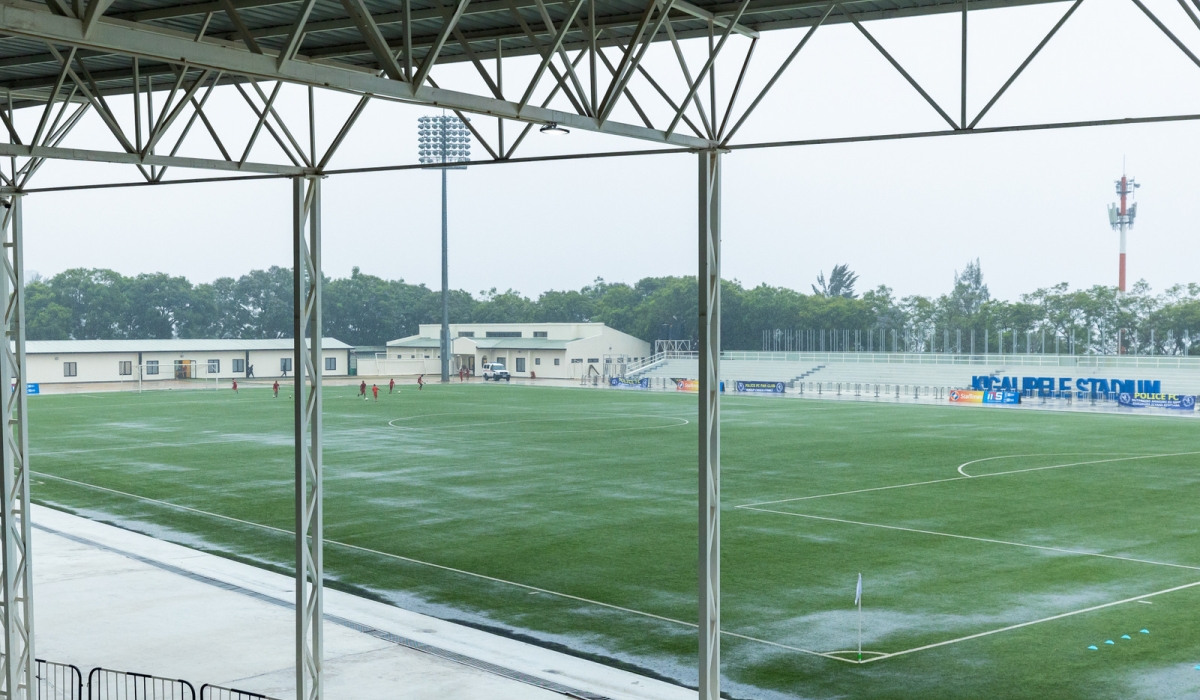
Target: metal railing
{"x":57,"y":681}
{"x":216,"y":692}
{"x":989,"y":360}
{"x":106,"y":684}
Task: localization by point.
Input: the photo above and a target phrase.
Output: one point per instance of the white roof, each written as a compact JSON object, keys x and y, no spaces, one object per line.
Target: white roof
{"x":67,"y":347}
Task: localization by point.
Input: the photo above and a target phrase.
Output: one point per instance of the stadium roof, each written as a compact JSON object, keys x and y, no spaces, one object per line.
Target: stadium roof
{"x":66,"y":347}
{"x":415,"y":341}
{"x":521,"y":343}
{"x":332,"y":36}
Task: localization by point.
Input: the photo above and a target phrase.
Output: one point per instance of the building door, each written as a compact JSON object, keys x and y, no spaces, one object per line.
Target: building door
{"x":185,"y":369}
{"x":520,"y":364}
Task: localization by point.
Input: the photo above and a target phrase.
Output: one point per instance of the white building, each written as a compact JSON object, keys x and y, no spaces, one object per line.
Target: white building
{"x":71,"y":361}
{"x":550,"y":350}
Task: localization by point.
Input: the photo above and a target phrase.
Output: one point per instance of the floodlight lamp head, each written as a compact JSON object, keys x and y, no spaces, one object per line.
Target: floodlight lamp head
{"x":554,"y":128}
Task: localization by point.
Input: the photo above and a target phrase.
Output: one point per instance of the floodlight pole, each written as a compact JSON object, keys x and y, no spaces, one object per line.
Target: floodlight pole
{"x":16,"y":588}
{"x":307,"y":369}
{"x":445,"y":288}
{"x":709,"y":356}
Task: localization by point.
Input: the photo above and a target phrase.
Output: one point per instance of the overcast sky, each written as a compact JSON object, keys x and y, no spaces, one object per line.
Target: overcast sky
{"x":1030,"y":206}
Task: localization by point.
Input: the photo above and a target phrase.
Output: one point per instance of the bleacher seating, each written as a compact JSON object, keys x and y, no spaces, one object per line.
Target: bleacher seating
{"x":907,"y":370}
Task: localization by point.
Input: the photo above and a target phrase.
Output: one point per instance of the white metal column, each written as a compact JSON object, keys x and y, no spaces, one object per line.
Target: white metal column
{"x":16,"y":608}
{"x":710,"y":424}
{"x":307,"y":366}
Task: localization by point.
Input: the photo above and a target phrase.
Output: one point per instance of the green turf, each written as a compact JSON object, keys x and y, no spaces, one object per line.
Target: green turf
{"x":592,"y":494}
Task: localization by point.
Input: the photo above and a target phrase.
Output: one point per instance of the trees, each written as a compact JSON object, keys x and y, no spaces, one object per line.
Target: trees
{"x":841,"y":283}
{"x":368,"y":310}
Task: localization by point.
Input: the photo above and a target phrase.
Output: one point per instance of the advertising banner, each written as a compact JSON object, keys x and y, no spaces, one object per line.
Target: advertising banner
{"x":973,"y":396}
{"x":966,"y":396}
{"x":686,"y":384}
{"x":623,"y":383}
{"x":759,"y":387}
{"x":1178,"y":402}
{"x":32,"y":389}
{"x":1002,"y":396}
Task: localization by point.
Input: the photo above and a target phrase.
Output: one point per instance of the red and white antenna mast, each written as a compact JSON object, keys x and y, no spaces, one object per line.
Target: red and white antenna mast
{"x":1121,"y":217}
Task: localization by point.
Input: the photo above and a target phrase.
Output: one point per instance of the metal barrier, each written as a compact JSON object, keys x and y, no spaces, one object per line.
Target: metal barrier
{"x":216,"y":692}
{"x":57,"y":681}
{"x":105,"y":684}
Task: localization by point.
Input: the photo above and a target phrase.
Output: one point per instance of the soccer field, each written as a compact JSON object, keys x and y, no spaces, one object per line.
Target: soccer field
{"x":996,"y":546}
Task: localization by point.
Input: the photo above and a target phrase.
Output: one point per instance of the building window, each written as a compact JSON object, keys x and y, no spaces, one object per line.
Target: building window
{"x":575,"y":360}
{"x":151,"y":366}
{"x":504,"y":334}
{"x":285,"y":364}
{"x":593,"y":360}
{"x":330,"y":364}
{"x":126,"y":368}
{"x":239,"y":366}
{"x":556,"y":362}
{"x":607,"y":360}
{"x":520,"y":364}
{"x":537,"y":360}
{"x":214,"y":366}
{"x":68,"y":369}
{"x":427,"y":357}
{"x":466,"y":334}
{"x":539,"y":334}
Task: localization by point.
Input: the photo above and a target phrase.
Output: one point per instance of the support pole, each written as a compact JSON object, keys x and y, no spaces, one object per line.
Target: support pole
{"x":16,"y":608}
{"x":710,"y":424}
{"x":445,"y":345}
{"x":308,"y":366}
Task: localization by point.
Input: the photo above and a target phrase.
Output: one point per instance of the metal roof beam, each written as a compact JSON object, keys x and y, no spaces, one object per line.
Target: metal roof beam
{"x":112,"y":36}
{"x":86,"y":155}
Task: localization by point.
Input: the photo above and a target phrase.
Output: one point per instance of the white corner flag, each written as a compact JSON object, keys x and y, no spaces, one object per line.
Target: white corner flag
{"x":858,"y":604}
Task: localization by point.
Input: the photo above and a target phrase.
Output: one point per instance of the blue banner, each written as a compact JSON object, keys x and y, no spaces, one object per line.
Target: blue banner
{"x":32,"y":389}
{"x":1003,"y":396}
{"x":744,"y":387}
{"x":623,"y":383}
{"x":1178,"y":402}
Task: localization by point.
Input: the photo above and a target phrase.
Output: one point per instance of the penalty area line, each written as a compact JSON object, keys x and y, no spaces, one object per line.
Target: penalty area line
{"x":898,"y":528}
{"x":525,"y":586}
{"x":1138,"y":599}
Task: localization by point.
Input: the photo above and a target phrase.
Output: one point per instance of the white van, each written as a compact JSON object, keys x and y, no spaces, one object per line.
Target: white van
{"x":495,"y":371}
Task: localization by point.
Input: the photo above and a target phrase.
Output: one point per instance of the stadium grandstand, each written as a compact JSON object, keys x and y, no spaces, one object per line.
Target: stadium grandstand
{"x":1179,"y":375}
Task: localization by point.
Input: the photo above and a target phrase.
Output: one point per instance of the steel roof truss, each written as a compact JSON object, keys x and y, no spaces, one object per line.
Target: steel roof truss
{"x":375,"y":42}
{"x":778,"y":73}
{"x":587,"y":106}
{"x":687,"y":76}
{"x":282,"y":124}
{"x":896,"y":64}
{"x":708,"y":66}
{"x":435,"y":50}
{"x":1029,"y":59}
{"x":295,"y":35}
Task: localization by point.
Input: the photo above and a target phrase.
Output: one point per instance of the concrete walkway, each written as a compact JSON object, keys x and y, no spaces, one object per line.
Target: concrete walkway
{"x":113,"y":598}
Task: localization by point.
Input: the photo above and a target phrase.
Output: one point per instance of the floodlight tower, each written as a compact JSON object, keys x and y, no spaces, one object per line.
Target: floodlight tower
{"x":442,"y":140}
{"x":1121,"y":218}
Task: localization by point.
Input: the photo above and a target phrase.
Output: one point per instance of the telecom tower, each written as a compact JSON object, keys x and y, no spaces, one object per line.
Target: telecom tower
{"x":1121,"y":218}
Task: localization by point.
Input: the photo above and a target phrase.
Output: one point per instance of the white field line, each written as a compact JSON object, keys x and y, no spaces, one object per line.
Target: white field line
{"x":410,"y":560}
{"x":969,"y":476}
{"x":1060,"y":550}
{"x":1078,"y":464}
{"x":1138,"y":599}
{"x":475,"y":431}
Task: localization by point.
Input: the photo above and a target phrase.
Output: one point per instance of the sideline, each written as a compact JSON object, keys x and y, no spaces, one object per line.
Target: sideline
{"x":533,"y":589}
